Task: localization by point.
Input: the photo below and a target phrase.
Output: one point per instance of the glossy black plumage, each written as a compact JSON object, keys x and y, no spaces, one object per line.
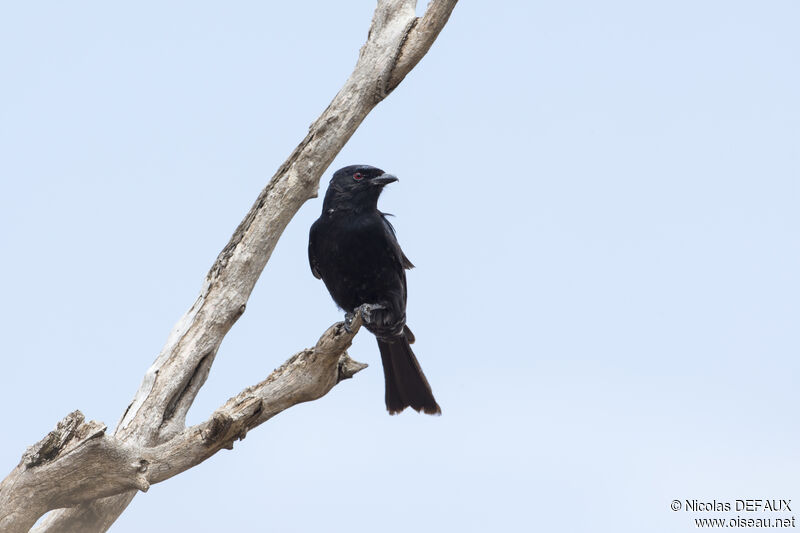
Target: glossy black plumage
{"x":352,"y":247}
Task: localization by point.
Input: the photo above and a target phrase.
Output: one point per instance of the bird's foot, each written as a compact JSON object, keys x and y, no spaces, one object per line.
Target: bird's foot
{"x":348,"y":322}
{"x":366,"y":311}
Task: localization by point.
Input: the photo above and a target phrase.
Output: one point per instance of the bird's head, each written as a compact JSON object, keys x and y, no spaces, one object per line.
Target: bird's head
{"x":356,"y":187}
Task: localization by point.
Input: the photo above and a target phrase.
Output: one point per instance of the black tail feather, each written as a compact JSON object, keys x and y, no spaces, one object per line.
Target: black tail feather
{"x":406,"y":385}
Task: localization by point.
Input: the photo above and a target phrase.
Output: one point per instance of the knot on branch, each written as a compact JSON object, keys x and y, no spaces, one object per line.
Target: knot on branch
{"x":139,"y":479}
{"x":216,"y":428}
{"x":69,"y":431}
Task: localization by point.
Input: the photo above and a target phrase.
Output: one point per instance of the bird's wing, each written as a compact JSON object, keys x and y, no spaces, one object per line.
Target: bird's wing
{"x":312,"y":256}
{"x":405,"y":262}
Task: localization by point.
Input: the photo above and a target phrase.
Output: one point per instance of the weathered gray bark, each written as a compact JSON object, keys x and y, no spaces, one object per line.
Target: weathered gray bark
{"x":91,"y":476}
{"x":78,"y":462}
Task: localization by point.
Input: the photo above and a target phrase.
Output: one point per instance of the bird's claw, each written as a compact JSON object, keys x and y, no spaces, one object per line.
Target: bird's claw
{"x":367,"y":309}
{"x":348,"y":322}
{"x":366,"y":315}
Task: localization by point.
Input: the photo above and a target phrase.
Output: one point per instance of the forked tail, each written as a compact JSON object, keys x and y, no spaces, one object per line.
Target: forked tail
{"x":406,"y":385}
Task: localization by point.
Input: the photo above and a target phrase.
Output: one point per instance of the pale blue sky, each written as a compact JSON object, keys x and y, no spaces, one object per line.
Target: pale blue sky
{"x":601,"y":200}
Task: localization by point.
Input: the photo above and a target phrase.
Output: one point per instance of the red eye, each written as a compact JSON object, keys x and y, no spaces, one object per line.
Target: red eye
{"x":357,"y":176}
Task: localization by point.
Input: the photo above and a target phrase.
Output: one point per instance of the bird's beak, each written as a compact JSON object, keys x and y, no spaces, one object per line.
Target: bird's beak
{"x":384,"y":179}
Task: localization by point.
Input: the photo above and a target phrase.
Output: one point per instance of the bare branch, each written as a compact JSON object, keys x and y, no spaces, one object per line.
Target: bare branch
{"x":419,"y":38}
{"x":78,"y":462}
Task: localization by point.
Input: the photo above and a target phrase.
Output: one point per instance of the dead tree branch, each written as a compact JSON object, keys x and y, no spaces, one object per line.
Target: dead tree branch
{"x":78,"y":462}
{"x":95,"y":474}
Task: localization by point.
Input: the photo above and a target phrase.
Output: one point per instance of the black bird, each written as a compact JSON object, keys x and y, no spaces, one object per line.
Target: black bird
{"x":353,"y":248}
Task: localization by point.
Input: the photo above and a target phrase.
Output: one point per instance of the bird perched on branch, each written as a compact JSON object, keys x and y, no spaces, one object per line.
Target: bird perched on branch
{"x":353,"y":248}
